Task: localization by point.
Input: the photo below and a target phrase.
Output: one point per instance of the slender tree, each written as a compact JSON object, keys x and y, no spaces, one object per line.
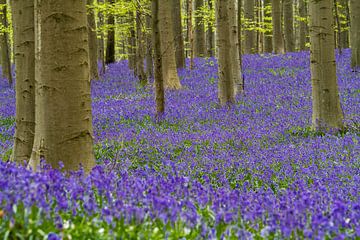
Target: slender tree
{"x":170,"y":75}
{"x":327,"y":111}
{"x":140,"y":50}
{"x":289,"y":25}
{"x":132,"y":43}
{"x":303,"y":24}
{"x":268,"y":47}
{"x":190,"y":33}
{"x":210,"y":33}
{"x":178,"y":35}
{"x":226,"y":84}
{"x":355,"y":33}
{"x":101,"y":40}
{"x":250,"y":37}
{"x":199,"y":33}
{"x":93,"y":50}
{"x":159,"y":81}
{"x":63,"y":130}
{"x":5,"y":48}
{"x":149,"y":48}
{"x":278,"y":43}
{"x":24,"y":44}
{"x":110,"y":44}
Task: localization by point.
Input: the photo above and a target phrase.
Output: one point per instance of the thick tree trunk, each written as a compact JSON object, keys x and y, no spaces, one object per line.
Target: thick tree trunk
{"x":63,"y":130}
{"x":250,"y":37}
{"x":93,"y":50}
{"x":278,"y":43}
{"x":5,"y":48}
{"x":110,"y":44}
{"x":24,"y":44}
{"x":327,"y":111}
{"x":140,"y":49}
{"x":226,"y":83}
{"x":199,"y":36}
{"x":210,"y":34}
{"x":178,"y":35}
{"x":303,"y":24}
{"x":355,"y":33}
{"x":289,"y":25}
{"x":268,"y":47}
{"x":159,"y":81}
{"x":170,"y":75}
{"x":149,"y":49}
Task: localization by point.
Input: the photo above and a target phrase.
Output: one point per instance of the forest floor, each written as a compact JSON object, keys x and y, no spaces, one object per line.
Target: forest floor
{"x":255,"y":170}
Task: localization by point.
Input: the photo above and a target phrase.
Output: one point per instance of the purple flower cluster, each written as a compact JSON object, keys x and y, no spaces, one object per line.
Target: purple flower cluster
{"x":255,"y":170}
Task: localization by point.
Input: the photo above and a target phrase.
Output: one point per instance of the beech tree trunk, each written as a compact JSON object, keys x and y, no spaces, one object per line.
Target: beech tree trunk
{"x":132,"y":44}
{"x":110,"y":44}
{"x":5,"y":48}
{"x":278,"y":43}
{"x":210,"y":34}
{"x":149,"y":49}
{"x":24,"y":44}
{"x":140,"y":50}
{"x":226,"y":84}
{"x":93,"y":50}
{"x":289,"y":25}
{"x":101,"y":41}
{"x":63,"y":130}
{"x":199,"y":36}
{"x":159,"y":81}
{"x":178,"y":35}
{"x":250,"y":37}
{"x":327,"y":111}
{"x":303,"y":25}
{"x":355,"y":33}
{"x":239,"y":23}
{"x":190,"y":33}
{"x":170,"y":75}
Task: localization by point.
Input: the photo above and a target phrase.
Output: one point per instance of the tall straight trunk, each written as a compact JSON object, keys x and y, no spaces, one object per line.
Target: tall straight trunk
{"x":210,"y":34}
{"x":344,"y":26}
{"x":93,"y":50}
{"x":355,"y":33}
{"x":24,"y":44}
{"x":101,"y":40}
{"x":132,"y":43}
{"x":5,"y":48}
{"x":303,"y":24}
{"x":63,"y":130}
{"x":327,"y":111}
{"x":234,"y":47}
{"x":239,"y":23}
{"x":337,"y":36}
{"x":170,"y":75}
{"x":149,"y":49}
{"x":268,"y":47}
{"x":226,"y":83}
{"x":190,"y":33}
{"x":140,"y":48}
{"x":110,"y":44}
{"x":199,"y":35}
{"x":178,"y":35}
{"x":260,"y":20}
{"x":159,"y":81}
{"x":250,"y":37}
{"x":278,"y":43}
{"x":289,"y":25}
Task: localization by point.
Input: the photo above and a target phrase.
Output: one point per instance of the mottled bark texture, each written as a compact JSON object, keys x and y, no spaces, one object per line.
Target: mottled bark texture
{"x":289,"y":25}
{"x":110,"y":43}
{"x":178,"y":35}
{"x":199,"y":30}
{"x":63,"y":130}
{"x":93,"y":50}
{"x":226,"y":84}
{"x":355,"y":33}
{"x":249,"y":32}
{"x":5,"y":47}
{"x":326,"y":111}
{"x":24,"y":44}
{"x":278,"y":43}
{"x":170,"y":75}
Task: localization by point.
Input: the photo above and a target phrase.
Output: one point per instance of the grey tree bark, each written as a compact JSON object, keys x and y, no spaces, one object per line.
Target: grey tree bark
{"x":303,"y":25}
{"x":355,"y":33}
{"x":93,"y":50}
{"x":289,"y":25}
{"x":199,"y":31}
{"x":178,"y":35}
{"x":278,"y":43}
{"x":250,"y":35}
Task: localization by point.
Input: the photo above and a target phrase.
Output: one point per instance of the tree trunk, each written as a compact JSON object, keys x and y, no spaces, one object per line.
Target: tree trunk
{"x":178,"y":35}
{"x":132,"y":43}
{"x":327,"y":111}
{"x":355,"y":33}
{"x":210,"y":34}
{"x":250,"y":37}
{"x":239,"y":23}
{"x":268,"y":47}
{"x":159,"y":81}
{"x":24,"y":44}
{"x":199,"y":36}
{"x":226,"y":83}
{"x":170,"y":75}
{"x":5,"y":48}
{"x":344,"y":34}
{"x":63,"y":130}
{"x":93,"y":51}
{"x":190,"y":34}
{"x":289,"y":25}
{"x":303,"y":24}
{"x":110,"y":44}
{"x":101,"y":41}
{"x":149,"y":49}
{"x":140,"y":50}
{"x":278,"y":43}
